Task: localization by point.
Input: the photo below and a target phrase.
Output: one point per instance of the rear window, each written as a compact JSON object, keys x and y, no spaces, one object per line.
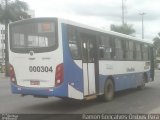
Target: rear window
{"x":34,"y":36}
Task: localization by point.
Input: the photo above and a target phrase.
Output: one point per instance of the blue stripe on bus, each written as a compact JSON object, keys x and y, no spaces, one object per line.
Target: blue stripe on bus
{"x":31,"y":91}
{"x":123,"y":81}
{"x":59,"y":91}
{"x":72,"y":73}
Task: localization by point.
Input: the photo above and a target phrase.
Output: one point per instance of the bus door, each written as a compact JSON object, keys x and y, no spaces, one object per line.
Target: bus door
{"x":89,"y":57}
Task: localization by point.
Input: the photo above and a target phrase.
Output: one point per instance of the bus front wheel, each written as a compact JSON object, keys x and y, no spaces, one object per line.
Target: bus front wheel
{"x":108,"y":90}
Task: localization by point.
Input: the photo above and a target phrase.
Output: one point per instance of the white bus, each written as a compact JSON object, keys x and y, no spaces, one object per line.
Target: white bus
{"x":56,"y":57}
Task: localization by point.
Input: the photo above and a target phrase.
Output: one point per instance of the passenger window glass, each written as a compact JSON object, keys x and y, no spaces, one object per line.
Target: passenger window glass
{"x":37,"y":41}
{"x":145,"y":52}
{"x":105,"y":48}
{"x":73,"y":43}
{"x":118,"y":49}
{"x":19,"y":40}
{"x":130,"y":50}
{"x":138,"y":52}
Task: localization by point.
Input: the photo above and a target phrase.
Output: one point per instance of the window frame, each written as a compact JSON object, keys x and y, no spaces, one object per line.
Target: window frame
{"x":103,"y":44}
{"x":39,"y":49}
{"x":78,"y":42}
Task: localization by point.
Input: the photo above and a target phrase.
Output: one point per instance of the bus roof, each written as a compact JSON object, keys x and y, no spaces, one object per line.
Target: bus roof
{"x":104,"y":31}
{"x":90,"y":28}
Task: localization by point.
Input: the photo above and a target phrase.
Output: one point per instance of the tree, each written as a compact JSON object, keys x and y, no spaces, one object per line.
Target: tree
{"x":157,"y":44}
{"x":125,"y":28}
{"x":11,"y":10}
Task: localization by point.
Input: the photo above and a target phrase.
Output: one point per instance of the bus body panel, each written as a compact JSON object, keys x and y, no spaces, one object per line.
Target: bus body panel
{"x":22,"y":63}
{"x":125,"y":74}
{"x":26,"y":71}
{"x":72,"y":69}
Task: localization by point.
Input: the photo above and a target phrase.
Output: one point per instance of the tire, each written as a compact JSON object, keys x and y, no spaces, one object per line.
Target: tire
{"x":142,"y":86}
{"x":108,"y":90}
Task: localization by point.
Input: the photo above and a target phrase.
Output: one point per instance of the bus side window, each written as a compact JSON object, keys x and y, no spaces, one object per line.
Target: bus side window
{"x":124,"y":49}
{"x":73,"y":43}
{"x":118,"y":49}
{"x":105,"y":48}
{"x":145,"y":53}
{"x":130,"y":50}
{"x":138,"y":52}
{"x":101,"y":52}
{"x":101,"y":49}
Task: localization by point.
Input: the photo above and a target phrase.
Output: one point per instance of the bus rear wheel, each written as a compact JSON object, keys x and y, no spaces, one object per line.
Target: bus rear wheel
{"x":144,"y":79}
{"x":108,"y":90}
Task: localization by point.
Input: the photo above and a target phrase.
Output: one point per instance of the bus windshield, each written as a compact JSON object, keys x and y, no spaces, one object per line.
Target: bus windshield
{"x":33,"y":36}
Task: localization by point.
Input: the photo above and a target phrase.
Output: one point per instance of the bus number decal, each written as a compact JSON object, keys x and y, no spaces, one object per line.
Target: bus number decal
{"x":40,"y":69}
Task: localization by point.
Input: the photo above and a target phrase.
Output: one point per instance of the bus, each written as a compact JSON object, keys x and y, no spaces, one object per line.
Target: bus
{"x":57,"y":57}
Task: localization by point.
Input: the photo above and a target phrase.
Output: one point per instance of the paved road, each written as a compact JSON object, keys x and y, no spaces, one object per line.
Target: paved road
{"x":130,"y":101}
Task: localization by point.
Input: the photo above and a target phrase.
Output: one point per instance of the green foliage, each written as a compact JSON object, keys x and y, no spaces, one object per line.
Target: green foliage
{"x":125,"y":29}
{"x":157,"y":44}
{"x":12,"y":11}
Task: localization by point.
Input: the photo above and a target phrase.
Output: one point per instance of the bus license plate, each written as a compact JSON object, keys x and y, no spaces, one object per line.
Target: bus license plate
{"x":34,"y":83}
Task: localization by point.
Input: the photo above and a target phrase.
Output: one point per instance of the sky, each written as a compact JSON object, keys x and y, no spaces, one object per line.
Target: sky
{"x":103,"y":13}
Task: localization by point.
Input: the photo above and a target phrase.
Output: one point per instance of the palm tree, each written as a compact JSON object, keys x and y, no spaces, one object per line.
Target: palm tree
{"x":11,"y":10}
{"x":125,"y":29}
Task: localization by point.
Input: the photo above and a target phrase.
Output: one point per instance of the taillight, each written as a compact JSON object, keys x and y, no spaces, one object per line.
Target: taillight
{"x":59,"y":75}
{"x":12,"y":74}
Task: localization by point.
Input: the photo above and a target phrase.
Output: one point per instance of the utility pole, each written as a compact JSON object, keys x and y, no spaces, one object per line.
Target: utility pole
{"x":2,"y":43}
{"x":6,"y":40}
{"x":122,"y":12}
{"x":142,"y":14}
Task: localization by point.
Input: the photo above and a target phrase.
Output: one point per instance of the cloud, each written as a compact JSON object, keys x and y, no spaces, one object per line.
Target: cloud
{"x":102,"y":13}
